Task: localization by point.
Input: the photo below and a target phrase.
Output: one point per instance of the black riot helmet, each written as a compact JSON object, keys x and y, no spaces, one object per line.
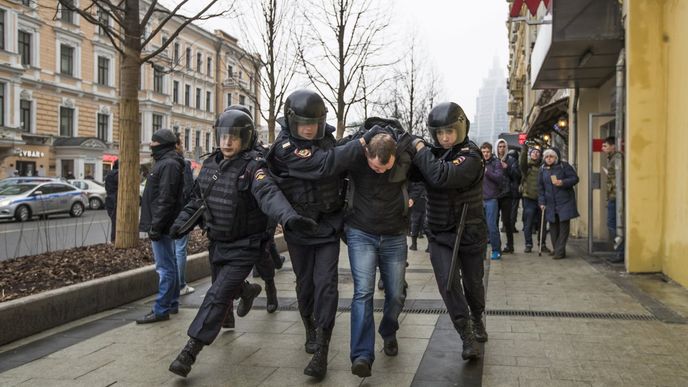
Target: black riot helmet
{"x":240,"y":108}
{"x":448,"y":116}
{"x":304,"y":107}
{"x":235,"y":124}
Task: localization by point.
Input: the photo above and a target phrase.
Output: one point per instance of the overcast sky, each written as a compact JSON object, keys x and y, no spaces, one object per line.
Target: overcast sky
{"x":460,"y":37}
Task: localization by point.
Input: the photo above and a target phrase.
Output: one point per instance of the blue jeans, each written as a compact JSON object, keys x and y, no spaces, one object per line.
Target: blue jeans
{"x":166,"y":266}
{"x":180,"y":252}
{"x":611,"y":224}
{"x":531,"y":220}
{"x":366,"y":251}
{"x":491,"y":207}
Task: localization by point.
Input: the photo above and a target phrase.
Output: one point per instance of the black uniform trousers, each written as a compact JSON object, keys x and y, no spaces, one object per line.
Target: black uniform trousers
{"x":417,"y":217}
{"x":112,"y":213}
{"x":472,"y":298}
{"x":316,"y":272}
{"x":228,"y":276}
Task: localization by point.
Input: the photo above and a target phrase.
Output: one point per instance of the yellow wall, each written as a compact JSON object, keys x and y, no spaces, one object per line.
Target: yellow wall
{"x":657,"y":55}
{"x":675,"y":245}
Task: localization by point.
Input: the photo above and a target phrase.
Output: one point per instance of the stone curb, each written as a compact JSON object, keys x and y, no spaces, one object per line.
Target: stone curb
{"x":32,"y":314}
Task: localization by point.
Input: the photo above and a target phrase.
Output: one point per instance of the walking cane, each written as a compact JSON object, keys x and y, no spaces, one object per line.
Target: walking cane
{"x":542,"y":228}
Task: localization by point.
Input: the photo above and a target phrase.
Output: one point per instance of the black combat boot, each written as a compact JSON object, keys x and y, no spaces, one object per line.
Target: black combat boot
{"x":479,"y":329}
{"x":470,"y":346}
{"x":228,"y":322}
{"x":249,"y":292}
{"x":311,"y":343}
{"x":182,"y":364}
{"x":414,"y":244}
{"x":317,"y":367}
{"x":271,"y":293}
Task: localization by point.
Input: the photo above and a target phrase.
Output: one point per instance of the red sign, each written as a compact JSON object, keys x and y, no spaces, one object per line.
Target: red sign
{"x":522,"y":137}
{"x":597,"y":144}
{"x":532,"y":5}
{"x":110,"y":158}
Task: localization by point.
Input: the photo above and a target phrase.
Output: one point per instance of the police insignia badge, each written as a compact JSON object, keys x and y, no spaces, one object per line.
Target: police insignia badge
{"x":459,"y":160}
{"x":286,"y":145}
{"x":260,"y":174}
{"x":303,"y":153}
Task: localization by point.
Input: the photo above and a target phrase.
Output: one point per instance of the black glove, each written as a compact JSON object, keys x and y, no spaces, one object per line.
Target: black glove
{"x":154,"y":235}
{"x":414,"y":143}
{"x":301,"y":223}
{"x":174,"y":231}
{"x":375,"y":130}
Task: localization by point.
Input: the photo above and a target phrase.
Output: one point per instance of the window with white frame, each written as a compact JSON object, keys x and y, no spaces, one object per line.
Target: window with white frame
{"x":198,"y":98}
{"x":103,"y":20}
{"x":188,"y":58}
{"x":66,"y":14}
{"x":210,"y":67}
{"x":187,"y":95}
{"x":158,"y":78}
{"x":207,"y":142}
{"x":242,"y":100}
{"x":24,"y":47}
{"x":175,"y":91}
{"x":187,"y":139}
{"x":199,"y":62}
{"x":229,"y":99}
{"x":103,"y":71}
{"x":25,"y":115}
{"x":157,"y":122}
{"x":103,"y":129}
{"x":198,"y":139}
{"x":2,"y":103}
{"x":66,"y":60}
{"x":66,"y":121}
{"x":230,"y":71}
{"x":2,"y":29}
{"x":176,"y":53}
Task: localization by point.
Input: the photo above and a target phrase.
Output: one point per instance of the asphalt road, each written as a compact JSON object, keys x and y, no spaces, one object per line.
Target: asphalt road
{"x":59,"y":232}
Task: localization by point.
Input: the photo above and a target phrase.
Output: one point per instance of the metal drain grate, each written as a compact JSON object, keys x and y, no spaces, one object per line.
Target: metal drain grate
{"x":511,"y":312}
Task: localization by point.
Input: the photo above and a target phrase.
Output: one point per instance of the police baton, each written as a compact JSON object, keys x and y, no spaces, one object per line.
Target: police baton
{"x":455,"y":253}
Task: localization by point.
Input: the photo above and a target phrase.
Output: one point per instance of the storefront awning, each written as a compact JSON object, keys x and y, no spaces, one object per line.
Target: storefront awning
{"x":547,"y":116}
{"x":580,"y":47}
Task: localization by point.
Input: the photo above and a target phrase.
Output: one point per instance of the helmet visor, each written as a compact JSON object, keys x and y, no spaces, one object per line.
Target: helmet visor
{"x":458,"y":127}
{"x":306,"y":128}
{"x":225,"y":135}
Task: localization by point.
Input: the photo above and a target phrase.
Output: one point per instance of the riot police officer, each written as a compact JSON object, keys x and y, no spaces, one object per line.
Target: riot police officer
{"x":308,"y":168}
{"x":237,"y":192}
{"x":453,"y":170}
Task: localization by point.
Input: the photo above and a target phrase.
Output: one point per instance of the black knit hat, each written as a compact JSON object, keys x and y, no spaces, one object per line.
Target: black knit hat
{"x":164,"y":137}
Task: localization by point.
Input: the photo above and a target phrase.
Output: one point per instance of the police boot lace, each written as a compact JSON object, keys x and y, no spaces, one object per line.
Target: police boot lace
{"x":311,"y":343}
{"x":470,"y":346}
{"x":317,"y":367}
{"x":182,"y":364}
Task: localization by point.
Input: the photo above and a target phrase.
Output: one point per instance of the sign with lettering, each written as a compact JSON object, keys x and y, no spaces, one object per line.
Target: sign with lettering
{"x":29,"y":153}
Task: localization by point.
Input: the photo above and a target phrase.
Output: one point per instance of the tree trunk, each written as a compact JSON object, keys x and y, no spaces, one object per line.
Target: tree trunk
{"x":129,"y":133}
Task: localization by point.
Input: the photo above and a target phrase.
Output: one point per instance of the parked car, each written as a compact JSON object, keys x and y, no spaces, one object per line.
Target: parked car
{"x":6,"y":182}
{"x":23,"y":201}
{"x":95,"y":191}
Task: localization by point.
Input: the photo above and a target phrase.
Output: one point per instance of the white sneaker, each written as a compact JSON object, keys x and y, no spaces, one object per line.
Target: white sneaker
{"x":186,"y":290}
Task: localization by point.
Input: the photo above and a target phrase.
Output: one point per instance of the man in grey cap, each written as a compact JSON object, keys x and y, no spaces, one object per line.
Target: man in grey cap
{"x":161,"y":202}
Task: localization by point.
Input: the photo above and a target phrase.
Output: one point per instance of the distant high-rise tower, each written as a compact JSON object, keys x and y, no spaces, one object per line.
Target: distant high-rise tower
{"x":491,"y":105}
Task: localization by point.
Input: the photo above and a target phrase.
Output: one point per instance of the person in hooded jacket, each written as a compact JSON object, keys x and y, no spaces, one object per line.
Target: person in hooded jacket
{"x":235,"y":186}
{"x":453,"y":170}
{"x":308,"y":168}
{"x":161,"y":202}
{"x":111,"y":185}
{"x":557,"y":198}
{"x":530,"y":161}
{"x":512,"y":178}
{"x":493,"y":184}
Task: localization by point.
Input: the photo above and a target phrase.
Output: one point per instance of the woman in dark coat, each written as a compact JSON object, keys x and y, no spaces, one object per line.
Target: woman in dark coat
{"x":557,"y":198}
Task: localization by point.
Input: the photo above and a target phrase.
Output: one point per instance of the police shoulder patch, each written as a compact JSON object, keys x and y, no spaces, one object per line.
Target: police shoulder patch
{"x":260,"y":174}
{"x":286,"y":145}
{"x":303,"y":153}
{"x":459,"y":160}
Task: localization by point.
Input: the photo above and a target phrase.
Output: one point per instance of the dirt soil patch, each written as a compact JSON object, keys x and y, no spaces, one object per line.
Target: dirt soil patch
{"x":23,"y":276}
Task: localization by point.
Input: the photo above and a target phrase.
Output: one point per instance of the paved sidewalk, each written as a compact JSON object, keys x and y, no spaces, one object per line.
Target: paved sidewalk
{"x":608,"y":329}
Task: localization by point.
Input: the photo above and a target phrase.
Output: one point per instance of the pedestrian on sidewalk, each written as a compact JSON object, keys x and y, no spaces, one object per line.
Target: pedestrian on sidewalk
{"x":376,"y":228}
{"x":237,"y":190}
{"x":613,"y":156}
{"x":417,"y":200}
{"x":557,"y":198}
{"x":161,"y":202}
{"x":493,"y":188}
{"x":513,"y":155}
{"x":180,"y":245}
{"x":512,"y":178}
{"x":453,"y":171}
{"x":309,"y":169}
{"x":530,"y":162}
{"x":111,"y":185}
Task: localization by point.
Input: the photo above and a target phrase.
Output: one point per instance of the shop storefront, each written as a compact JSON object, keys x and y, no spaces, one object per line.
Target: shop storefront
{"x":27,"y":160}
{"x":79,"y":157}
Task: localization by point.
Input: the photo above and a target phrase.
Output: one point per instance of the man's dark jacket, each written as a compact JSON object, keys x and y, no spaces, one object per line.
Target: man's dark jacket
{"x":162,"y":198}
